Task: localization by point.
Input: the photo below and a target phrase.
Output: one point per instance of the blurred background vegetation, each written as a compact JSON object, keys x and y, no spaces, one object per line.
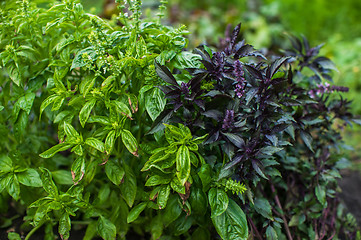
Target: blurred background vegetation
{"x":266,"y":23}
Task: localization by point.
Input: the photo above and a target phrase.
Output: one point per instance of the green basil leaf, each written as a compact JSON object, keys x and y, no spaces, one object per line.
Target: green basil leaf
{"x":205,"y":174}
{"x":78,"y":169}
{"x":201,"y":233}
{"x":78,"y":150}
{"x":91,"y":231}
{"x":130,"y":142}
{"x":109,"y":142}
{"x":14,"y":74}
{"x":48,"y":184}
{"x":163,"y":196}
{"x":177,"y":186}
{"x":158,"y":180}
{"x":182,"y":224}
{"x":121,"y":108}
{"x":26,"y":102}
{"x":172,"y":211}
{"x":198,"y":201}
{"x":154,"y":102}
{"x":62,"y":177}
{"x":232,"y":224}
{"x":218,"y":200}
{"x":78,"y":60}
{"x":134,"y":213}
{"x":20,"y":124}
{"x":64,"y":226}
{"x":13,"y":236}
{"x":70,"y":131}
{"x":95,"y":143}
{"x":41,"y":214}
{"x":86,"y":110}
{"x":114,"y":172}
{"x":5,"y":164}
{"x":13,"y":187}
{"x":86,"y":84}
{"x":106,"y":228}
{"x":183,"y":162}
{"x":5,"y":180}
{"x":128,"y":188}
{"x":30,"y":177}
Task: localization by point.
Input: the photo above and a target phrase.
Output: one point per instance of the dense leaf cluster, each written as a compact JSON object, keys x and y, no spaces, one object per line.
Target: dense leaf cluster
{"x":113,"y":126}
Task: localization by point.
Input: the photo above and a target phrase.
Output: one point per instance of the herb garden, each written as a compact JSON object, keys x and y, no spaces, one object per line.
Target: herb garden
{"x":115,"y":129}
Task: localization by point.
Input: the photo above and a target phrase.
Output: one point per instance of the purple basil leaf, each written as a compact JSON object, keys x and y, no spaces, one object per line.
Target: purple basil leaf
{"x":235,"y":139}
{"x":243,"y":51}
{"x":214,"y":114}
{"x":164,"y":73}
{"x":253,"y":71}
{"x":158,"y":122}
{"x":275,"y":66}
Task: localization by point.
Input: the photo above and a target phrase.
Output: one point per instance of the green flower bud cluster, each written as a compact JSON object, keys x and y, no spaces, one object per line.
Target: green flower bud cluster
{"x":232,"y":185}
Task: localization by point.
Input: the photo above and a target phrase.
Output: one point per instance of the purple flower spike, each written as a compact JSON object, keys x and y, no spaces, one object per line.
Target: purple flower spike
{"x":228,"y":120}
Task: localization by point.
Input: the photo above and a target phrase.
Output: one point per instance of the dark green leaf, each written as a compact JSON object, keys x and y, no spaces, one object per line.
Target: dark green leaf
{"x":205,"y":174}
{"x":91,"y":231}
{"x":218,"y":200}
{"x":232,"y":224}
{"x":271,"y":233}
{"x":321,"y":194}
{"x":270,"y":150}
{"x":114,"y":172}
{"x":106,"y":228}
{"x":172,"y":211}
{"x":128,"y":188}
{"x":30,"y":177}
{"x":62,"y":177}
{"x":307,"y":139}
{"x":134,"y":213}
{"x":201,"y":234}
{"x":199,"y":202}
{"x":182,"y":224}
{"x":262,"y":206}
